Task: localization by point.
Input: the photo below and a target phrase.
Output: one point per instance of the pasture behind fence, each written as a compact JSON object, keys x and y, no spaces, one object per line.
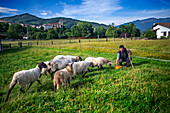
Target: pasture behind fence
{"x":27,"y":43}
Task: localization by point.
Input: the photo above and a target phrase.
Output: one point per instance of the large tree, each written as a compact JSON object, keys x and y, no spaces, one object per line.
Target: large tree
{"x":85,"y":29}
{"x":109,"y":31}
{"x":101,"y":31}
{"x":52,"y":33}
{"x":16,"y":31}
{"x":4,"y":27}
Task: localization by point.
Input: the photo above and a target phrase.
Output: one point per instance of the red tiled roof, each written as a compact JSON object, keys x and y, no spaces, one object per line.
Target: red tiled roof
{"x":3,"y":21}
{"x":162,"y":24}
{"x":52,"y":24}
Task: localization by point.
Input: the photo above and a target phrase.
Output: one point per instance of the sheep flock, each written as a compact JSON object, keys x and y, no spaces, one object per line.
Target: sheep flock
{"x":63,"y":67}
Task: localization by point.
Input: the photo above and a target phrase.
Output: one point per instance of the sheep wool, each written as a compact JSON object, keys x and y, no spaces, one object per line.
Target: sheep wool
{"x":62,"y":76}
{"x":96,"y":61}
{"x":81,"y":66}
{"x":26,"y":76}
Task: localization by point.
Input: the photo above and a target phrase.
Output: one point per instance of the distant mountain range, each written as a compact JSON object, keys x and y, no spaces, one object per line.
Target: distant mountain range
{"x":27,"y":18}
{"x":146,"y":24}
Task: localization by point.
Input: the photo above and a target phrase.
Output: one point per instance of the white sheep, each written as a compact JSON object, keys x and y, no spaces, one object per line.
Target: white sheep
{"x":81,"y":67}
{"x":99,"y":61}
{"x":63,"y":75}
{"x":26,"y":76}
{"x":57,"y":64}
{"x":74,"y":58}
{"x":60,"y":62}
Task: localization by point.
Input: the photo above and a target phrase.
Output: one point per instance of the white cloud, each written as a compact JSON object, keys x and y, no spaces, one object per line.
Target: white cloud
{"x":8,"y":10}
{"x":107,"y":12}
{"x":155,"y":11}
{"x":44,"y":13}
{"x":91,"y":8}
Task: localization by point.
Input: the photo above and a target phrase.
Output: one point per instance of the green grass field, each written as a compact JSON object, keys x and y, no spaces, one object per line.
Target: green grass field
{"x":144,"y":89}
{"x":159,"y":49}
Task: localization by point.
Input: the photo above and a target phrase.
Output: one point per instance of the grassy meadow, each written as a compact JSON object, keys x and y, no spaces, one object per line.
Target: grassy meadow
{"x":144,"y":89}
{"x":159,"y":49}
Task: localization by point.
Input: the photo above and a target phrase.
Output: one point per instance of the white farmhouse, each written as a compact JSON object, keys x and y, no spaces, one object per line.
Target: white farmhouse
{"x":161,"y":29}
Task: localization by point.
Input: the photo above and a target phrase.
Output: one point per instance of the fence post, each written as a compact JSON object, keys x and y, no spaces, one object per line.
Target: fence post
{"x":106,"y":39}
{"x":10,"y":45}
{"x":51,"y":42}
{"x":37,"y":42}
{"x":98,"y":38}
{"x":0,"y":45}
{"x":70,"y":39}
{"x":20,"y":44}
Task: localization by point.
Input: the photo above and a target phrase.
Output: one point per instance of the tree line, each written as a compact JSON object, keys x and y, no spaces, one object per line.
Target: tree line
{"x":82,"y":29}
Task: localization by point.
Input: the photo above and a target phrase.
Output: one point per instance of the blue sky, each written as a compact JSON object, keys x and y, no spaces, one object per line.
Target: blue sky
{"x":101,"y":11}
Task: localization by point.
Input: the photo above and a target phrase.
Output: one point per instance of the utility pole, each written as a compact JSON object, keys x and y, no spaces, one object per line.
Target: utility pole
{"x":27,"y":31}
{"x":98,"y":37}
{"x":0,"y":45}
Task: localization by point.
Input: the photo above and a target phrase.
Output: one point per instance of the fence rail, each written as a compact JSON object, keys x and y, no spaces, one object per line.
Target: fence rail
{"x":13,"y":44}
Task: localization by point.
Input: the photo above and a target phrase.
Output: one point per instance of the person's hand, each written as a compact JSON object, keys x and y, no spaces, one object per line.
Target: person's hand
{"x":127,"y":49}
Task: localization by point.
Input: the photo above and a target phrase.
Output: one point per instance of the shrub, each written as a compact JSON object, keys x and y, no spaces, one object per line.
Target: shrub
{"x":163,"y":37}
{"x":149,"y":34}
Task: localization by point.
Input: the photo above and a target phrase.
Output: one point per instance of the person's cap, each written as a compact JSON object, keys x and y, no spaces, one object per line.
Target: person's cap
{"x":121,"y":46}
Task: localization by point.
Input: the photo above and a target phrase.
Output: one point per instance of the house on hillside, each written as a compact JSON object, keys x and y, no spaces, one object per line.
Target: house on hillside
{"x":53,"y":25}
{"x":161,"y":29}
{"x":25,"y":37}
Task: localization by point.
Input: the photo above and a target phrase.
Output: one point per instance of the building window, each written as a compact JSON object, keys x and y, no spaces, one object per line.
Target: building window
{"x":164,"y":33}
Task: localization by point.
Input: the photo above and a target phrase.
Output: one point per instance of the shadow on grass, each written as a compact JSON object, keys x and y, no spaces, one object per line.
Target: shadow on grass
{"x":140,"y":63}
{"x":13,"y":50}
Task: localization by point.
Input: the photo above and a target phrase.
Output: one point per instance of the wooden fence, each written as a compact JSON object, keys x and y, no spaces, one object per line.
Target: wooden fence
{"x":52,"y":42}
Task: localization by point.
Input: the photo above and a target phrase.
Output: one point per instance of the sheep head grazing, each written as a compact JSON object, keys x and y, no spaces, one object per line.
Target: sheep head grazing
{"x":69,"y":67}
{"x":42,"y":65}
{"x":91,"y":64}
{"x":53,"y":65}
{"x":109,"y":63}
{"x":78,"y":59}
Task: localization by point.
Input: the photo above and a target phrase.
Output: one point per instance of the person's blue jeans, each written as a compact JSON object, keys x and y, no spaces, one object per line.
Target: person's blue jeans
{"x":127,"y":60}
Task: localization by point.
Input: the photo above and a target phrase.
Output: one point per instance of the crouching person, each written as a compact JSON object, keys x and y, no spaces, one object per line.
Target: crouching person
{"x":122,"y":56}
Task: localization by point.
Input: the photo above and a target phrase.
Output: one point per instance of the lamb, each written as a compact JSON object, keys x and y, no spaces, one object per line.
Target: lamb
{"x":99,"y":61}
{"x":26,"y":76}
{"x":63,"y":75}
{"x":81,"y":67}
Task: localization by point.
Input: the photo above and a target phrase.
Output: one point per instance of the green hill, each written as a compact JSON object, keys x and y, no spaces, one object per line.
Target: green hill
{"x":27,"y":18}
